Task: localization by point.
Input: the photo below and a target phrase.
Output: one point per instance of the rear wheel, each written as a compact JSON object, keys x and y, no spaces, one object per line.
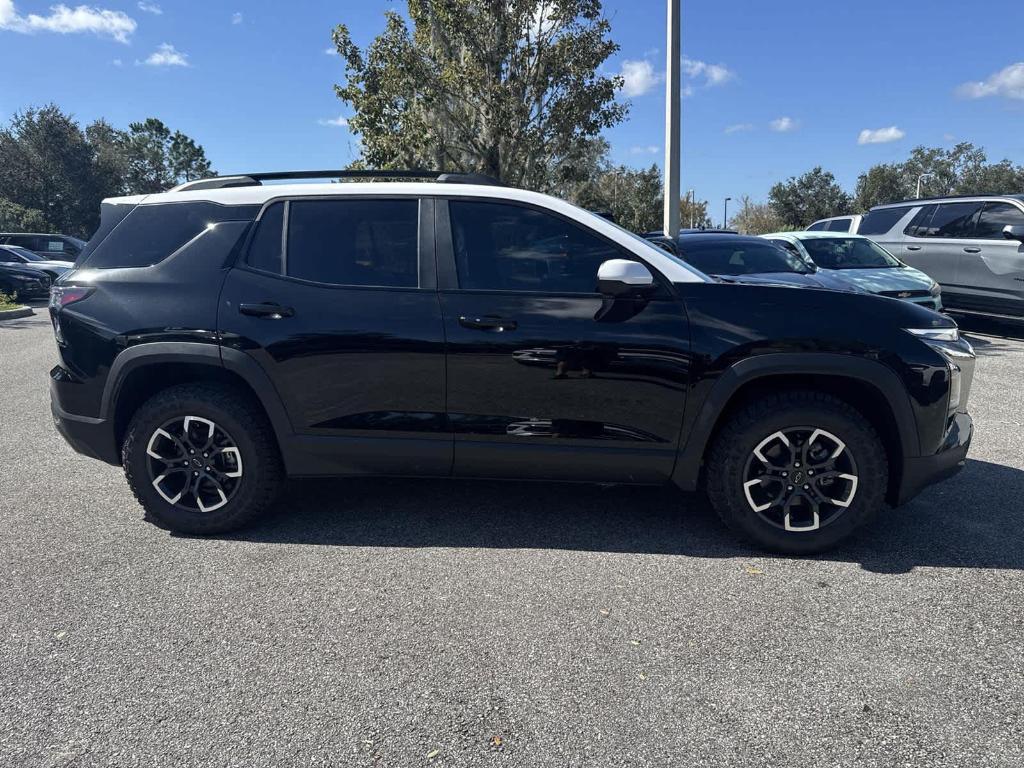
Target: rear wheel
{"x":201,"y":458}
{"x":797,"y":472}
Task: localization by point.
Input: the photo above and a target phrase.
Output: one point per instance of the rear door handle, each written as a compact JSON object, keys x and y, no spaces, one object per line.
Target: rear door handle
{"x":913,"y":247}
{"x":972,"y":250}
{"x":266,"y":309}
{"x":489,"y":323}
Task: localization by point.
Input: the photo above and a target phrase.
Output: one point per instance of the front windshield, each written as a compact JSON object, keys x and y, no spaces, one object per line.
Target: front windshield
{"x":740,"y":257}
{"x":25,"y":253}
{"x":848,"y":253}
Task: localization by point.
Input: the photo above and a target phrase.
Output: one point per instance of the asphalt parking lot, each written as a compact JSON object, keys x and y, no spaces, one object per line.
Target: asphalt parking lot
{"x":402,"y":623}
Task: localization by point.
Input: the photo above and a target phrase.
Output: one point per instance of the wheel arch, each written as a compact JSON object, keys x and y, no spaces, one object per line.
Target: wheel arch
{"x":869,"y":386}
{"x":142,"y":371}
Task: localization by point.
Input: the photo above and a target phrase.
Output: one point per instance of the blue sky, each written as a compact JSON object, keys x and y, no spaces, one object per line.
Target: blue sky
{"x":773,"y":88}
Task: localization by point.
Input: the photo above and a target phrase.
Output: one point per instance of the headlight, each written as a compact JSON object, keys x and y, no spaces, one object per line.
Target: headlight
{"x":936,"y":334}
{"x":956,"y":358}
{"x":935,"y":290}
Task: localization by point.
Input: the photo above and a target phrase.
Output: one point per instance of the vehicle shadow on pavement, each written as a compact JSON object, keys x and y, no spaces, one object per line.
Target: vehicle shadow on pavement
{"x":972,"y":521}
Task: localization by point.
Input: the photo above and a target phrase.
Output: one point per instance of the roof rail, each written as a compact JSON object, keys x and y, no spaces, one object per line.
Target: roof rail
{"x":914,"y":200}
{"x":255,"y":179}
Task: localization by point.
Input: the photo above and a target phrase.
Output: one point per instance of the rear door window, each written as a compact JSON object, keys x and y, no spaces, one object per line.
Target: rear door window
{"x":839,"y":225}
{"x":946,"y":220}
{"x":353,"y":242}
{"x":994,"y":217}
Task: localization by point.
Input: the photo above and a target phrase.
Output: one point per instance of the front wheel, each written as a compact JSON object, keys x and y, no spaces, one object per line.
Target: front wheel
{"x":797,"y":472}
{"x":201,"y":459}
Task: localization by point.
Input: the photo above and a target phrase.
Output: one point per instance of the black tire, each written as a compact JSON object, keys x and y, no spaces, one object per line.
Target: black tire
{"x":234,"y":412}
{"x":730,"y":459}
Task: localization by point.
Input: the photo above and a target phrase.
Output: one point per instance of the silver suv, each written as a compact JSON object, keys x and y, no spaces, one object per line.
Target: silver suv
{"x":972,"y":246}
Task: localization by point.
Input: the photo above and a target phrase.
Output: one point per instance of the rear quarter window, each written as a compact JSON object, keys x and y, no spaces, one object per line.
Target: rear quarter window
{"x":881,"y":221}
{"x":151,"y":233}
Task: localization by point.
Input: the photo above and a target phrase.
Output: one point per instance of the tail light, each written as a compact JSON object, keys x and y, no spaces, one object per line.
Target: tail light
{"x":62,"y":295}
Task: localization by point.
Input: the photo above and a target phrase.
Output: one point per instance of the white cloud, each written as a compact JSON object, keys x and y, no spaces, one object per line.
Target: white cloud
{"x":650,"y":149}
{"x":153,"y":8}
{"x":712,"y":74}
{"x":166,"y":55}
{"x":237,"y":18}
{"x":1007,"y":82}
{"x":543,"y":21}
{"x":337,"y":122}
{"x":117,"y":62}
{"x":639,"y":77}
{"x":65,"y":21}
{"x":784,"y":125}
{"x":332,"y":51}
{"x":880,"y":135}
{"x":739,"y":128}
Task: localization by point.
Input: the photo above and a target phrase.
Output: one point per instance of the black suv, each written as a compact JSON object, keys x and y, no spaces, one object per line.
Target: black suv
{"x":219,"y":337}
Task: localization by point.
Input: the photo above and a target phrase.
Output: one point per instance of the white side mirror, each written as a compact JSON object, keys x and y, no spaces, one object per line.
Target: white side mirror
{"x":622,"y":278}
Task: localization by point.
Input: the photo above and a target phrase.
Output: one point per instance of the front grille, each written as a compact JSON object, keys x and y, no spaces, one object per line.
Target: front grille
{"x":906,"y":294}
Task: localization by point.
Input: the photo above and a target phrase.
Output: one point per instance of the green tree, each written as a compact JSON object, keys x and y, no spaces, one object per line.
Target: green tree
{"x":814,"y":195}
{"x":511,"y":89}
{"x":758,"y":219}
{"x":693,"y":213}
{"x":633,"y":197}
{"x":17,"y":218}
{"x":884,"y":183}
{"x":46,"y":165}
{"x":156,"y":159}
{"x":961,"y":170}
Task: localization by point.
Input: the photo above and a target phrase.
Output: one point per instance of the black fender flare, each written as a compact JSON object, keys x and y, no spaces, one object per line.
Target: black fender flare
{"x":872,"y":372}
{"x":234,"y":360}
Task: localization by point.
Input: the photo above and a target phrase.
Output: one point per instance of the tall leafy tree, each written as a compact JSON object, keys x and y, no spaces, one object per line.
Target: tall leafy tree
{"x":510,"y":88}
{"x":157,"y":159}
{"x":18,"y":218}
{"x":46,"y":165}
{"x":804,"y":199}
{"x":758,"y":219}
{"x":632,"y":197}
{"x":960,"y":170}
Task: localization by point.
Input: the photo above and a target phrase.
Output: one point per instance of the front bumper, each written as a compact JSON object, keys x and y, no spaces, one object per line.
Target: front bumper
{"x":921,"y":471}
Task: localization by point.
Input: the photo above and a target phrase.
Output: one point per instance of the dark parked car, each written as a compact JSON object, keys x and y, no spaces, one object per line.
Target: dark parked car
{"x":13,"y":254}
{"x":739,"y":258}
{"x":227,"y":334}
{"x":53,"y":247}
{"x":24,"y":283}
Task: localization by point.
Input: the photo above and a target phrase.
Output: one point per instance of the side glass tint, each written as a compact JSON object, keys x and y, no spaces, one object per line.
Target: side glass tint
{"x":952,"y":220}
{"x":503,"y":247}
{"x":265,"y":250}
{"x":354,"y":242}
{"x":994,"y":217}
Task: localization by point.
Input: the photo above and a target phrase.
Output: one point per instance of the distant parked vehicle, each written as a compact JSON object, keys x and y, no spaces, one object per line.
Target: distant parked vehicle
{"x":13,"y":254}
{"x":744,"y":259}
{"x":54,"y":247}
{"x":24,"y":282}
{"x":837,"y":224}
{"x":973,"y":246}
{"x":861,"y":264}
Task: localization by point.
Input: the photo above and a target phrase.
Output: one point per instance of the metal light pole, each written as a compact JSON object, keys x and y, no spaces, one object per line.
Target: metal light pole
{"x":692,"y":200}
{"x":919,"y":179}
{"x":672,"y":137}
{"x":725,"y":215}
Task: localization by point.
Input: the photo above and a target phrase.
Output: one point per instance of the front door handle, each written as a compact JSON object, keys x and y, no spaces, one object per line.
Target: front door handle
{"x":489,"y":323}
{"x":972,"y":250}
{"x":913,"y":247}
{"x":266,"y":309}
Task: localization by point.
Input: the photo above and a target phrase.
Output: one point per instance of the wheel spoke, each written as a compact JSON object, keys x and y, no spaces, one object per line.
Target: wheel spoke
{"x":800,"y":478}
{"x":206,"y":469}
